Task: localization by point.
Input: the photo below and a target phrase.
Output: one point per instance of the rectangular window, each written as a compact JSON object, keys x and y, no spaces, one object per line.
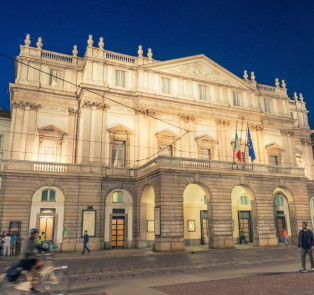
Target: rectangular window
{"x":120,"y":78}
{"x":165,"y":85}
{"x":205,"y":154}
{"x":273,"y":160}
{"x":44,"y":195}
{"x":118,"y":153}
{"x":55,"y":78}
{"x":203,"y":92}
{"x":166,"y":150}
{"x":117,"y":197}
{"x":267,"y":105}
{"x":49,"y":151}
{"x":52,"y":196}
{"x":236,"y":98}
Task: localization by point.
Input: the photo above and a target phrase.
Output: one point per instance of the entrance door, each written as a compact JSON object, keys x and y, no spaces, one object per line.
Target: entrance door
{"x":245,"y":223}
{"x":204,"y":227}
{"x":117,"y":232}
{"x":281,"y":225}
{"x":46,"y":224}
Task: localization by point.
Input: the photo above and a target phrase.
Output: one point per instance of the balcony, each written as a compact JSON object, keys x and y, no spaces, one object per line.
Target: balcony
{"x":159,"y":163}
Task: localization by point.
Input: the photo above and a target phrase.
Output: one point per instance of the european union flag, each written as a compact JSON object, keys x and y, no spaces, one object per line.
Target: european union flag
{"x":250,"y":145}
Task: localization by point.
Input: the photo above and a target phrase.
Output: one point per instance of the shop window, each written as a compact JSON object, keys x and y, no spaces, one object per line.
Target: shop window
{"x":48,"y":196}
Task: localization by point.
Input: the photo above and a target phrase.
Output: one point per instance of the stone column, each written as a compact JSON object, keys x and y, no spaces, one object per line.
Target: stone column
{"x":169,"y":198}
{"x":219,"y":139}
{"x":24,"y":133}
{"x":104,"y":141}
{"x":260,"y":143}
{"x":92,"y":134}
{"x":32,"y":137}
{"x":227,"y":142}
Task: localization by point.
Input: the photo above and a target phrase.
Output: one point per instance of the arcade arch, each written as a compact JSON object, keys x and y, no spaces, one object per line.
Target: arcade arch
{"x":242,"y":216}
{"x":47,"y":213}
{"x":196,"y":217}
{"x":282,"y":199}
{"x":147,"y":231}
{"x":118,"y":219}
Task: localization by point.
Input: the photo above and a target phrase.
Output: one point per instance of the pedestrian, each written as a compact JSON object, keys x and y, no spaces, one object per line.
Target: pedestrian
{"x":18,"y":243}
{"x":285,"y":237}
{"x":41,"y":239}
{"x":85,"y":241}
{"x":242,"y":236}
{"x":13,"y":243}
{"x":7,"y":245}
{"x":306,"y":245}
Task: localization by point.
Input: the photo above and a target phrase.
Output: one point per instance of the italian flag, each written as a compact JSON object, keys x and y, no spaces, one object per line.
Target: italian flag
{"x":237,"y":146}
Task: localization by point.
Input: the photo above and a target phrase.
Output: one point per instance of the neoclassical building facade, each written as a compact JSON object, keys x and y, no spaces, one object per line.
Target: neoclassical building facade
{"x":140,"y":152}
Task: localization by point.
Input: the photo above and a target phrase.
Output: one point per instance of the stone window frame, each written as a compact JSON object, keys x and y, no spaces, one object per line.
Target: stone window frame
{"x":206,"y":142}
{"x":167,"y":138}
{"x":53,"y":134}
{"x":275,"y":150}
{"x":120,"y":133}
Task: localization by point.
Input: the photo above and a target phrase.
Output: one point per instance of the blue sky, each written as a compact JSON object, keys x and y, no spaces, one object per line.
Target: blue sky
{"x":272,"y":38}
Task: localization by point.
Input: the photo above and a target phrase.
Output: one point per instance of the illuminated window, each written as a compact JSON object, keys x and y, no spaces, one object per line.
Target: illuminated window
{"x":118,"y":197}
{"x":244,"y":200}
{"x":48,"y":195}
{"x":118,"y":153}
{"x":278,"y":201}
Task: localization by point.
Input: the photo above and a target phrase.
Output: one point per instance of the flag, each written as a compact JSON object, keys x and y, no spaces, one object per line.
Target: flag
{"x":64,"y":230}
{"x":237,"y":146}
{"x":250,"y":145}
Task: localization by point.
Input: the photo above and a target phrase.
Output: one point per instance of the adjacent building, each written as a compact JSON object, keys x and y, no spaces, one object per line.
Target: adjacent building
{"x":142,"y":152}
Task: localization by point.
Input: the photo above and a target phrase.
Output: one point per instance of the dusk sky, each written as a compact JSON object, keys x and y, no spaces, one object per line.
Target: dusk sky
{"x":275,"y":39}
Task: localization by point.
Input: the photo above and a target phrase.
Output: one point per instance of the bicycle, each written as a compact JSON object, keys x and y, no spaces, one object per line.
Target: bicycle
{"x":54,"y":279}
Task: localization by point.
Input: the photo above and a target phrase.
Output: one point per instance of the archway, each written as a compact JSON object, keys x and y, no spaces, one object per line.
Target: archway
{"x":242,"y":213}
{"x":196,"y":215}
{"x":47,"y":213}
{"x":119,"y":219}
{"x":147,"y":231}
{"x":282,"y":209}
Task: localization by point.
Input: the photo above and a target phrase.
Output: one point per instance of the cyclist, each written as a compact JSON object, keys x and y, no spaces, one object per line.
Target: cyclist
{"x":28,"y":258}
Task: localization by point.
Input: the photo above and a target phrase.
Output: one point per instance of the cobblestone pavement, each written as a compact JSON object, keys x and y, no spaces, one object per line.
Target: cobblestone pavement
{"x":131,"y":270}
{"x":287,"y":284}
{"x":99,"y":266}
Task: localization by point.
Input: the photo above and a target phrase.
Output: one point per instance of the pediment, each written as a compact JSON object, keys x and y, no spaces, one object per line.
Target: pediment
{"x":51,"y":130}
{"x":274,"y":146}
{"x":120,"y":129}
{"x":202,"y":68}
{"x":205,"y":138}
{"x":168,"y":134}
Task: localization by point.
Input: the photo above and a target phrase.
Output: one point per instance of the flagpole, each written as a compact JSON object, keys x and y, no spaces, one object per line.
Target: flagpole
{"x":233,"y":159}
{"x":241,"y":136}
{"x":246,"y":132}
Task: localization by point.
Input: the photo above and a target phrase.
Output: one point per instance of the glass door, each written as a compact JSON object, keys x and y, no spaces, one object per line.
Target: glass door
{"x":46,"y":224}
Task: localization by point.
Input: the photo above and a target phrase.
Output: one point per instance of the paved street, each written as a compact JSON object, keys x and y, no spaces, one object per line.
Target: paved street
{"x":197,"y":271}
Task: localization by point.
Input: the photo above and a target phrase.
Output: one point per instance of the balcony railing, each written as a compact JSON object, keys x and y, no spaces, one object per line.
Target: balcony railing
{"x":162,"y":162}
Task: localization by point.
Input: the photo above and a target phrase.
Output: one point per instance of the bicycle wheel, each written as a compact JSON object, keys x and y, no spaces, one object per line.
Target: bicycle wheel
{"x":20,"y":286}
{"x":57,"y":282}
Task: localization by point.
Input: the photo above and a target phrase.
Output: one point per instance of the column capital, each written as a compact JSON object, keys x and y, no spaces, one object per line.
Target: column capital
{"x":186,"y":118}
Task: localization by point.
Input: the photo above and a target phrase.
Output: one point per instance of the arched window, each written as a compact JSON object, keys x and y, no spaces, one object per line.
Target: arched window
{"x":244,"y":200}
{"x":278,"y":201}
{"x":48,"y":195}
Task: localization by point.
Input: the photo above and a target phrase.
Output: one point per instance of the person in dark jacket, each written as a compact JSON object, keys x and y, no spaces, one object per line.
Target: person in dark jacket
{"x":306,"y":245}
{"x":85,"y":241}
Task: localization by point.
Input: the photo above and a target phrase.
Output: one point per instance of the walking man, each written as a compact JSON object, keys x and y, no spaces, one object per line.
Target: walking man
{"x":242,"y":236}
{"x":306,"y":244}
{"x":85,"y":241}
{"x":285,"y":237}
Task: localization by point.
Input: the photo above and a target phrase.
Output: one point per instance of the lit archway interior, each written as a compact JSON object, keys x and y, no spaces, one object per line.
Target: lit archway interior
{"x":242,"y":218}
{"x":196,"y":230}
{"x":147,"y":217}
